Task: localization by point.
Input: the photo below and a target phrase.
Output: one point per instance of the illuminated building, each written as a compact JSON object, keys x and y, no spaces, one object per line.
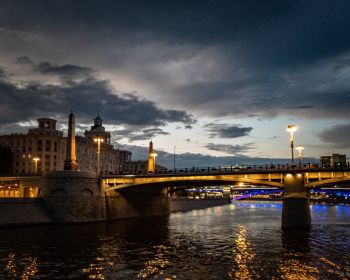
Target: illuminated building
{"x":335,"y":160}
{"x":49,"y":145}
{"x":44,"y":142}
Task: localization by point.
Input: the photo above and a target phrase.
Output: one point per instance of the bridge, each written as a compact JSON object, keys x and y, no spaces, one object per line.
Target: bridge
{"x":78,"y":196}
{"x":273,"y":177}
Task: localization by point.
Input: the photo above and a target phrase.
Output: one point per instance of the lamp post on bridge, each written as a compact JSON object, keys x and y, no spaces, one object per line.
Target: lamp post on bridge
{"x":292,"y":128}
{"x":98,"y":140}
{"x":299,"y":148}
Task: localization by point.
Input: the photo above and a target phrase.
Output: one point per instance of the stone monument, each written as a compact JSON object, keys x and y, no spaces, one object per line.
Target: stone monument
{"x":71,"y":159}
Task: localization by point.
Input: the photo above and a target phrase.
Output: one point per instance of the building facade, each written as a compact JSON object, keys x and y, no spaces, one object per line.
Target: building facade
{"x":45,"y":143}
{"x":140,"y":167}
{"x":43,"y":149}
{"x":335,"y":160}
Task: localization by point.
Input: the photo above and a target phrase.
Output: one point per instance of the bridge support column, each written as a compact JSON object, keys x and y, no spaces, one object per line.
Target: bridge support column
{"x":296,"y":208}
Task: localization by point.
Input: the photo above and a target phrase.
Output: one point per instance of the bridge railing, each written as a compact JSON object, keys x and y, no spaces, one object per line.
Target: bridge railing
{"x":245,"y":168}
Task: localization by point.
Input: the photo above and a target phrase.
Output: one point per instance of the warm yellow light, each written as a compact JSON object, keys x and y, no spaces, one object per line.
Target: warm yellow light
{"x":291,"y":128}
{"x":154,"y":154}
{"x":98,"y":139}
{"x":36,"y":159}
{"x":241,"y":184}
{"x":299,"y":148}
{"x":288,"y":175}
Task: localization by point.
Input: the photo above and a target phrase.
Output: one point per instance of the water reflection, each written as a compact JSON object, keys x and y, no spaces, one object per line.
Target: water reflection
{"x":243,"y":255}
{"x":156,"y":265}
{"x":20,"y":270}
{"x":236,"y":242}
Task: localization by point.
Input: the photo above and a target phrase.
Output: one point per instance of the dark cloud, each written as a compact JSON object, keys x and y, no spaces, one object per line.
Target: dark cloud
{"x":301,"y":107}
{"x":65,"y":70}
{"x":223,"y":130}
{"x":341,"y":64}
{"x":214,"y":58}
{"x":33,"y":99}
{"x":338,"y":136}
{"x":237,"y":150}
{"x":133,"y":134}
{"x":2,"y":73}
{"x":24,"y":60}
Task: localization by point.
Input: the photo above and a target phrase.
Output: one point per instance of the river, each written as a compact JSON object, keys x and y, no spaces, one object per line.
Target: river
{"x":240,"y":241}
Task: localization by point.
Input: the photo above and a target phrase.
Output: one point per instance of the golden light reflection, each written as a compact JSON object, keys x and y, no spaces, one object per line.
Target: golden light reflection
{"x":97,"y":270}
{"x":243,"y":255}
{"x":10,"y":266}
{"x":334,"y":268}
{"x":157,"y":265}
{"x":29,"y":270}
{"x":293,"y":269}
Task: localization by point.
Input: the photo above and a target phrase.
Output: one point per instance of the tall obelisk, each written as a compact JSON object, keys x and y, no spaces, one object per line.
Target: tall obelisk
{"x":150,"y":163}
{"x":71,"y":160}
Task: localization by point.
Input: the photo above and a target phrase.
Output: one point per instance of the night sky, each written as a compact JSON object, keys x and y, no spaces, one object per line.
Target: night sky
{"x":213,"y":78}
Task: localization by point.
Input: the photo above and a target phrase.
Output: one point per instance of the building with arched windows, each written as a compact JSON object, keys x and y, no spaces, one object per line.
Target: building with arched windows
{"x":47,"y":146}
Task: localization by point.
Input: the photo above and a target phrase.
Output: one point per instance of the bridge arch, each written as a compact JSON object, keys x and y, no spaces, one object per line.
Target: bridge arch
{"x":327,"y":181}
{"x":59,"y":191}
{"x":191,"y":182}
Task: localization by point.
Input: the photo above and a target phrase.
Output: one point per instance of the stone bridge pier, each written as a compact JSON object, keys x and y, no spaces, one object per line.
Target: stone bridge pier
{"x":73,"y":197}
{"x":296,"y":207}
{"x":79,"y":197}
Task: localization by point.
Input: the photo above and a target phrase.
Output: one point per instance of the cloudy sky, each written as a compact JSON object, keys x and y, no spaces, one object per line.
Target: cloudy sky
{"x":213,"y":78}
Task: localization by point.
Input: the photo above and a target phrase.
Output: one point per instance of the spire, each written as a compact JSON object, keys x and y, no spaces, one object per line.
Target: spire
{"x":98,"y":121}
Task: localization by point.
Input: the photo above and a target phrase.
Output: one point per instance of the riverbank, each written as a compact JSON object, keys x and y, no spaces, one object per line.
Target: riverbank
{"x":182,"y":204}
{"x":328,"y":201}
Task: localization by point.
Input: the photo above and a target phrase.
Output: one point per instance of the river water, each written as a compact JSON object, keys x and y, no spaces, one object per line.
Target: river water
{"x":240,"y":241}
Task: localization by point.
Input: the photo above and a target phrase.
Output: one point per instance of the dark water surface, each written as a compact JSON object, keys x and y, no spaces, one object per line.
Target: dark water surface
{"x":241,"y":241}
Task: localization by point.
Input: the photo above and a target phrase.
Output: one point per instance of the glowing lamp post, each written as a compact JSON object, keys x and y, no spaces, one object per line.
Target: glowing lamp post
{"x":36,"y":159}
{"x":292,"y":128}
{"x":98,"y":140}
{"x":299,"y":148}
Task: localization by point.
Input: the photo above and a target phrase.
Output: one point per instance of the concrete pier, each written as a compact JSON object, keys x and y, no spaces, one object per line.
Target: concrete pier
{"x":296,"y":207}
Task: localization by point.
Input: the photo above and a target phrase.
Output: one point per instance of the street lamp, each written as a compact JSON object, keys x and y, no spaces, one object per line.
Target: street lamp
{"x":292,"y":128}
{"x":36,"y":159}
{"x":154,"y":161}
{"x":98,"y":140}
{"x":299,"y":148}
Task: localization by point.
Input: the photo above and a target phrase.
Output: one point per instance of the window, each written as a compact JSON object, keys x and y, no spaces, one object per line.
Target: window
{"x":40,"y":145}
{"x":55,"y":146}
{"x":48,"y":145}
